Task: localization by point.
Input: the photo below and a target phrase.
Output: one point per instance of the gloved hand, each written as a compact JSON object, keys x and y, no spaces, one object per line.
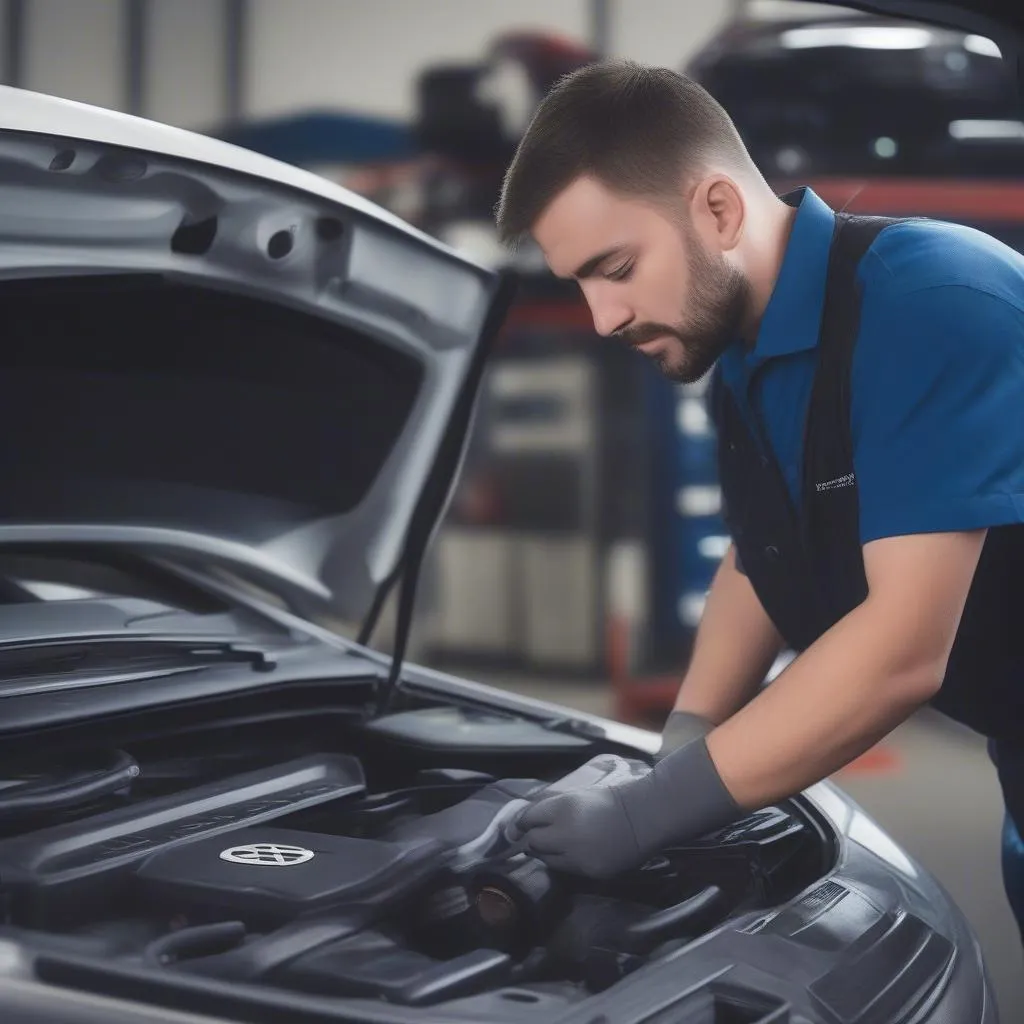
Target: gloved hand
{"x":681,"y":728}
{"x":604,"y":830}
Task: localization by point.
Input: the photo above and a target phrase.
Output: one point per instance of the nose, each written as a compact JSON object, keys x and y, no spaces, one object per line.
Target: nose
{"x":610,"y":314}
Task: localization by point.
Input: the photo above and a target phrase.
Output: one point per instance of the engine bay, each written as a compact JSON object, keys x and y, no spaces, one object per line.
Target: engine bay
{"x":383,"y":872}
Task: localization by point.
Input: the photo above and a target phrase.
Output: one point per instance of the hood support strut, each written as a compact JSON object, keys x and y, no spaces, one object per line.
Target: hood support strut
{"x":426,"y":517}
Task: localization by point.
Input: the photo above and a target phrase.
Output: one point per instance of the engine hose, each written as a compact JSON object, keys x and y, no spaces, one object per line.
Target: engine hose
{"x":202,"y":940}
{"x":50,"y":795}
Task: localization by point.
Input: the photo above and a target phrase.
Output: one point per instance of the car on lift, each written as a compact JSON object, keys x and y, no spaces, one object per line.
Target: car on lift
{"x":236,"y":400}
{"x":858,"y":95}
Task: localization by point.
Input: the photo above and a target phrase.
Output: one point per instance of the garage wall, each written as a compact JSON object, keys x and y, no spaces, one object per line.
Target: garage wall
{"x":296,"y":54}
{"x":78,"y":49}
{"x":184,"y":73}
{"x":797,"y":9}
{"x":73,"y":48}
{"x":3,"y":41}
{"x":363,"y":55}
{"x":665,"y":32}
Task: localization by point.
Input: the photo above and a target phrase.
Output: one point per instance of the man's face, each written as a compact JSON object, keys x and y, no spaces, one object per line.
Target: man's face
{"x":646,"y":275}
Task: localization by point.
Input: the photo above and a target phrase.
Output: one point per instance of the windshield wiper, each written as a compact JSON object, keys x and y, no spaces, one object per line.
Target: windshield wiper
{"x":93,"y":653}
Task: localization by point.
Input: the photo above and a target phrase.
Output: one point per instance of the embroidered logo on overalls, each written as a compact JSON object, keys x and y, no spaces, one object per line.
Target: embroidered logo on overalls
{"x":847,"y":480}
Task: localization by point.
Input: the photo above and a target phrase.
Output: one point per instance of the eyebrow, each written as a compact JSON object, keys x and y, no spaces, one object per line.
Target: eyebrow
{"x":587,"y":269}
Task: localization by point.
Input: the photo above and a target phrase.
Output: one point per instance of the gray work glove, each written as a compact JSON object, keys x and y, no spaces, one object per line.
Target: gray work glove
{"x":601,"y":831}
{"x":681,"y":728}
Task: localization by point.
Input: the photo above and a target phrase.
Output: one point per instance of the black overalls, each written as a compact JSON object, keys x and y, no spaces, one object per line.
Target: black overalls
{"x":806,"y":563}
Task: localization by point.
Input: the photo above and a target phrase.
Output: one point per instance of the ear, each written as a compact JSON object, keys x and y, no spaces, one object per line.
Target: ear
{"x":719,"y":212}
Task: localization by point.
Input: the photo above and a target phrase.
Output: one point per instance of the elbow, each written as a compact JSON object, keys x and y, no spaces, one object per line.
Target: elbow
{"x":916,"y":684}
{"x":912,"y":656}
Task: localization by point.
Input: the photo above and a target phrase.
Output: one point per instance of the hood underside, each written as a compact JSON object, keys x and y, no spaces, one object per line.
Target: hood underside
{"x":204,"y":362}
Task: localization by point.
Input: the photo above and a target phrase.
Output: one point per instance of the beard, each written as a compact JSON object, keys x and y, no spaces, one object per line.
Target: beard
{"x":721,"y":299}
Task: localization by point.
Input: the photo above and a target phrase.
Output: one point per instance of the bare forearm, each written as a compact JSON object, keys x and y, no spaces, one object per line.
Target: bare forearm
{"x":831,"y":704}
{"x":860,"y":679}
{"x":735,"y":647}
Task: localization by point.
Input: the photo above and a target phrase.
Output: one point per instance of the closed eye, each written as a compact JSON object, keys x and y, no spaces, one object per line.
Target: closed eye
{"x":621,"y":272}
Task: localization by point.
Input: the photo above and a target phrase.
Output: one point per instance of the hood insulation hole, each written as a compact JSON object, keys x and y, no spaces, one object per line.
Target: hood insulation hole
{"x":280,"y":244}
{"x":63,"y":160}
{"x":194,"y":239}
{"x":329,"y":229}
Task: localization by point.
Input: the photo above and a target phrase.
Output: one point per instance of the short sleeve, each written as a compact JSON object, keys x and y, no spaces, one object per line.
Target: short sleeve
{"x":937,"y":412}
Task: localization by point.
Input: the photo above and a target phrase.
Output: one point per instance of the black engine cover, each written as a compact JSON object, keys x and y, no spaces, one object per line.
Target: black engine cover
{"x":264,"y":876}
{"x":62,"y":875}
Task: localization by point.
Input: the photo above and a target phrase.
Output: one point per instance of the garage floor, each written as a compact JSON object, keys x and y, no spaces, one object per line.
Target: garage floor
{"x":932,"y":787}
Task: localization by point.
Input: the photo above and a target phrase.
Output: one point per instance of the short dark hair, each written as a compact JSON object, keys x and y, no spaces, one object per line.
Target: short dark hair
{"x":638,"y":130}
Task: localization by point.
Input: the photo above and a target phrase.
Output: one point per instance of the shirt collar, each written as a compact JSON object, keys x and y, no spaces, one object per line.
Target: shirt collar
{"x":792,"y":319}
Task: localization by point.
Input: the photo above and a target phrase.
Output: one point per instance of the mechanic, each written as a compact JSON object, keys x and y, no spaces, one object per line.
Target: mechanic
{"x":867,"y":392}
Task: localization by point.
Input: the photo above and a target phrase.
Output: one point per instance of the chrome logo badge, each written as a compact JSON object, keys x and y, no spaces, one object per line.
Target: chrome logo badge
{"x":272,"y":855}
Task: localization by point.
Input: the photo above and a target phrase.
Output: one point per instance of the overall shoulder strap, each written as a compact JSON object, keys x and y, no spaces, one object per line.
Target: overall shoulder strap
{"x":830,"y":499}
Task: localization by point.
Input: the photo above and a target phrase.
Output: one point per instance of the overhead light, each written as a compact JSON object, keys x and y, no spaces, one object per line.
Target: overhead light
{"x":862,"y":37}
{"x":979,"y":129}
{"x":475,"y":239}
{"x":714,"y":546}
{"x":699,"y":501}
{"x":885,"y":147}
{"x":692,"y":418}
{"x":691,"y":608}
{"x":789,"y":160}
{"x":979,"y":44}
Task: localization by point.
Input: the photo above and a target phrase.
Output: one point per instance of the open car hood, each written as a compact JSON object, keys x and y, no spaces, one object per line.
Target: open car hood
{"x":212,"y":355}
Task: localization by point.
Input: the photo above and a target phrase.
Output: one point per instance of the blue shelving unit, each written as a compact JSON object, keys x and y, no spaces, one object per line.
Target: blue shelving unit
{"x":701,"y":538}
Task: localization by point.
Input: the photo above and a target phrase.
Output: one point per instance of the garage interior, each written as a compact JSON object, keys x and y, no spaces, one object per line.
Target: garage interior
{"x":585,"y":528}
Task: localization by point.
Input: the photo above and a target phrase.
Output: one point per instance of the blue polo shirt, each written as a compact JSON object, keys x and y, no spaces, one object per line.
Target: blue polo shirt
{"x":937,"y":390}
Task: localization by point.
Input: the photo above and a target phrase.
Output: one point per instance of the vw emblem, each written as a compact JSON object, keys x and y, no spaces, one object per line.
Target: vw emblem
{"x":272,"y":855}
